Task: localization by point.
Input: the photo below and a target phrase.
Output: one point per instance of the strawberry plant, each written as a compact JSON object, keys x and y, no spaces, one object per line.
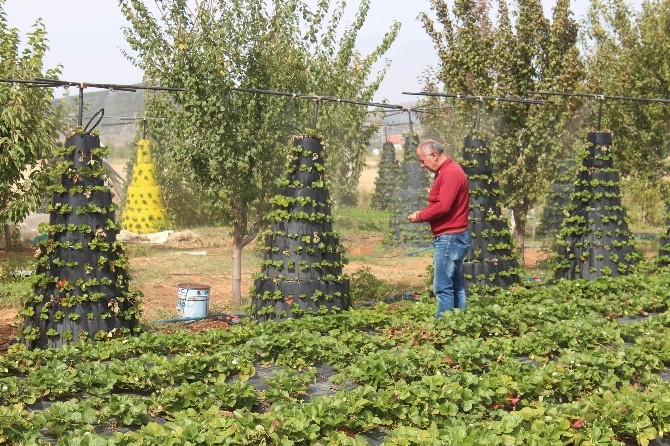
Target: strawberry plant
{"x":584,"y":360}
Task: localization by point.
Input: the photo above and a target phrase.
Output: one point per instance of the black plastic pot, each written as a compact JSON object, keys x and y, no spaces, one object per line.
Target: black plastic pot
{"x":472,"y":141}
{"x":598,"y":153}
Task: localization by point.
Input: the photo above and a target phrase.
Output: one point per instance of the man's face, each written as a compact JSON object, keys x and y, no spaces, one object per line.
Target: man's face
{"x":428,"y":162}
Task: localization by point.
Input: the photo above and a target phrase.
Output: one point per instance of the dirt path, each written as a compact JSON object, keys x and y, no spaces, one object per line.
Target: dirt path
{"x":407,"y":273}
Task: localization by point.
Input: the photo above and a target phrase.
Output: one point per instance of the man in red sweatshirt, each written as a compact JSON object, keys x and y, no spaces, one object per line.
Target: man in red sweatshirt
{"x":447,"y":213}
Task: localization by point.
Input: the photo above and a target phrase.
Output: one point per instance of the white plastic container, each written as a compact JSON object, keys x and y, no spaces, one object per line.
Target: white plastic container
{"x":193,"y":300}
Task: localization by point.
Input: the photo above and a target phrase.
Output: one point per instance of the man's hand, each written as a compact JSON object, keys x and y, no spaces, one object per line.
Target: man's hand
{"x":413,"y":218}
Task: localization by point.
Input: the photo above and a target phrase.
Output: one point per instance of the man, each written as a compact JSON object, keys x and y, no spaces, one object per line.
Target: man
{"x":447,"y":213}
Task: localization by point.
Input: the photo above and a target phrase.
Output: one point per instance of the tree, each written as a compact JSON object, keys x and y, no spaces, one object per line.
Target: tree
{"x":533,"y":138}
{"x":509,"y":60}
{"x":465,"y":45}
{"x":629,"y":58}
{"x":231,"y":143}
{"x":28,"y":124}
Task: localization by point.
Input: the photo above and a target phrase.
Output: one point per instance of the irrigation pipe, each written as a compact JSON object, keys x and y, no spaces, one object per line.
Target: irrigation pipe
{"x":408,"y":253}
{"x":408,"y":295}
{"x":232,"y":318}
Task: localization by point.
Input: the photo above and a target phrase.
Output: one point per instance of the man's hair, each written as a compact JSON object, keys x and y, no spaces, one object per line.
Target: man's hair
{"x":429,"y":146}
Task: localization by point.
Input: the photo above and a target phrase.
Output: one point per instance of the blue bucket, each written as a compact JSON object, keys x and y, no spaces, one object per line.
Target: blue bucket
{"x":193,"y":300}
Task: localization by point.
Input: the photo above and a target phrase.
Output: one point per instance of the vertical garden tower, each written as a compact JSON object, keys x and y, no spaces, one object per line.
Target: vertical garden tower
{"x":409,"y":196}
{"x":387,"y":178}
{"x":301,"y":270}
{"x":594,"y":239}
{"x":144,"y":211}
{"x":490,"y":264}
{"x":81,"y":285}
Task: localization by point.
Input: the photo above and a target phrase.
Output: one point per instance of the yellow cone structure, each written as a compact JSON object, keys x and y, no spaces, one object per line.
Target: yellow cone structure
{"x":144,"y":211}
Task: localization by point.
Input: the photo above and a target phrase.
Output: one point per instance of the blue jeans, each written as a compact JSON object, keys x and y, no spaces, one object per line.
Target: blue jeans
{"x":448,"y":283}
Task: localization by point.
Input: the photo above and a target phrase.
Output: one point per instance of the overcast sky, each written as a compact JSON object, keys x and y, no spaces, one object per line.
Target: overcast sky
{"x":85,"y":38}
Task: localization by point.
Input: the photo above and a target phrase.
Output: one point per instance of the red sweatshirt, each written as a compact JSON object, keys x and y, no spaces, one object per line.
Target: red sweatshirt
{"x":448,"y":200}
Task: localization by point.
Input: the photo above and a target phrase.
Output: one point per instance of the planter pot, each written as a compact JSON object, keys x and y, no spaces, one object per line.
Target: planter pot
{"x":601,"y":138}
{"x":472,"y":141}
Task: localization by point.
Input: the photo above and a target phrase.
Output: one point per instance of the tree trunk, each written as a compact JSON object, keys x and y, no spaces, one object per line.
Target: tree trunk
{"x":8,"y":237}
{"x":239,"y":242}
{"x":237,"y":271}
{"x":6,"y":229}
{"x":519,"y":233}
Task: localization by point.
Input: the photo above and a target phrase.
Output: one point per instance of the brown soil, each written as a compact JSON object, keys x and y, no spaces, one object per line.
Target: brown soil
{"x":7,"y":335}
{"x":532,"y":256}
{"x":8,"y":329}
{"x":160,"y":295}
{"x":407,"y":273}
{"x":207,"y":324}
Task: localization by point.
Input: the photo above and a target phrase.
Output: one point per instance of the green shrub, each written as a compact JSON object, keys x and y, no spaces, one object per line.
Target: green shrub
{"x":365,"y":287}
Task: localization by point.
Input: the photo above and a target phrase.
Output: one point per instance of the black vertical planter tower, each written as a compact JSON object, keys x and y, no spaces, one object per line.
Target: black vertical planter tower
{"x":410,"y":195}
{"x":387,"y":178}
{"x":594,"y":239}
{"x":490,"y":264}
{"x":557,"y":198}
{"x":301,"y":270}
{"x":81,"y":285}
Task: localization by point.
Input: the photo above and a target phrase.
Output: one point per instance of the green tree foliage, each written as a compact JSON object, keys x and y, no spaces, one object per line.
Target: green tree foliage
{"x":337,"y":69}
{"x":628,"y":57}
{"x":464,"y":41}
{"x":229,"y":143}
{"x":28,"y":124}
{"x":520,"y":54}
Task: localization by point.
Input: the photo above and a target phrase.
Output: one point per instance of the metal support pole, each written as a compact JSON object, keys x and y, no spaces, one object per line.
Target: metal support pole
{"x":479,"y":112}
{"x":317,"y":100}
{"x":602,"y":98}
{"x":317,"y":103}
{"x":54,"y":83}
{"x":481,"y":100}
{"x":80,"y":116}
{"x":600,"y":112}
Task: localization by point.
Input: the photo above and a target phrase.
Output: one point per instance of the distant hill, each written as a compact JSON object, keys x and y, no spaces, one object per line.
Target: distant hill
{"x":118,"y":134}
{"x":114,"y":132}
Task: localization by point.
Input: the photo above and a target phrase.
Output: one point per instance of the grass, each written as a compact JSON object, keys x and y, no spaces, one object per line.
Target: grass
{"x":14,"y":292}
{"x":14,"y":289}
{"x":359,"y":221}
{"x":210,"y":256}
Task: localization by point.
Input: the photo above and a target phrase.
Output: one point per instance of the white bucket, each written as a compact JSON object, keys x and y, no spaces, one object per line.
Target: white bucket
{"x":193,"y":300}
